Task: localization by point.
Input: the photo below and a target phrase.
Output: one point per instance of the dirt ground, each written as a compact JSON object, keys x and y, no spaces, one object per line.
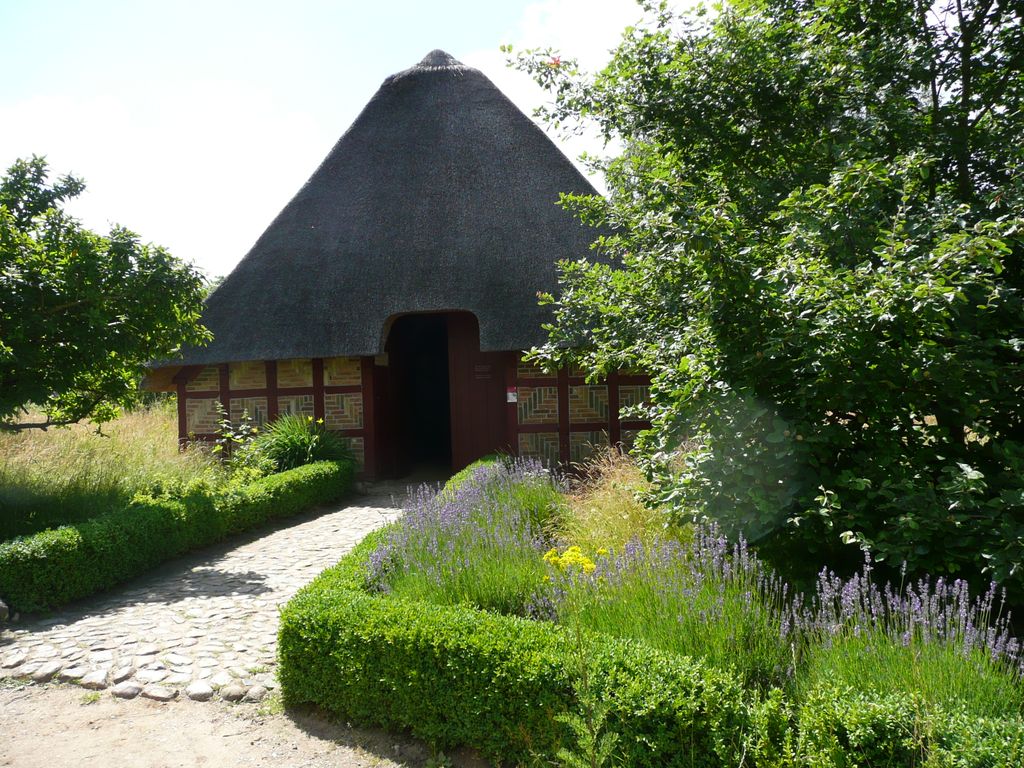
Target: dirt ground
{"x":51,"y":726}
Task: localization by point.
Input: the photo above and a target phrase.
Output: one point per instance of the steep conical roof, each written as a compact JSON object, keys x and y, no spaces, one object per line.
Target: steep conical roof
{"x":441,"y":196}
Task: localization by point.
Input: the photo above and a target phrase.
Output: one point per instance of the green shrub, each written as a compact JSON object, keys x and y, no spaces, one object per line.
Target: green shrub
{"x":56,"y":566}
{"x":291,"y":441}
{"x":457,"y":675}
{"x":833,"y":323}
{"x":839,"y":727}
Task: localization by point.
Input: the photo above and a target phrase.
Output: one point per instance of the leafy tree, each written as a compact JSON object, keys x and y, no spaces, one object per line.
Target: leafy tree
{"x":816,"y":250}
{"x":81,"y":314}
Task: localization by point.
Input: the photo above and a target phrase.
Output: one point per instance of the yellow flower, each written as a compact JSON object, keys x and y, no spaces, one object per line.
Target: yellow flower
{"x":602,"y":551}
{"x":573,"y":557}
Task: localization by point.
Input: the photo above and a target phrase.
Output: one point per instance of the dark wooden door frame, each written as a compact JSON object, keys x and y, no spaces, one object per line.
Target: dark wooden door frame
{"x":477,"y":388}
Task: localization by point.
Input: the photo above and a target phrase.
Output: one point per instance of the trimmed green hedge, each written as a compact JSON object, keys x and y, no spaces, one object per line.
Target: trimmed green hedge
{"x":841,"y":727}
{"x":460,"y":676}
{"x":53,"y":567}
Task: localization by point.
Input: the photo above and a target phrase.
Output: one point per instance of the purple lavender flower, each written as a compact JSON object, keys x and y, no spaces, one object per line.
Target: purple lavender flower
{"x":924,"y":612}
{"x":500,"y":514}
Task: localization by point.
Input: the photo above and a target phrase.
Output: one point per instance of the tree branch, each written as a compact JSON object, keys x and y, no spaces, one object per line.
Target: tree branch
{"x":997,"y":90}
{"x":21,"y":426}
{"x":962,"y":137}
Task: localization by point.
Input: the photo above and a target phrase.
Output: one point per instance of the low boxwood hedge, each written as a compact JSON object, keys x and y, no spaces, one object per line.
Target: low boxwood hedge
{"x":53,"y":567}
{"x":460,"y":676}
{"x":457,"y":675}
{"x":839,"y":727}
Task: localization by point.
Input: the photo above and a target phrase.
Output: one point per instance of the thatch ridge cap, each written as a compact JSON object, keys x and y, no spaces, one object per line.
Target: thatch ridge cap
{"x":435,"y":61}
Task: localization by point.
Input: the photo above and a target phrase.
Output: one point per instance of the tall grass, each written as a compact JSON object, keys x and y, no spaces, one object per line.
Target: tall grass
{"x":66,"y":475}
{"x":605,"y":506}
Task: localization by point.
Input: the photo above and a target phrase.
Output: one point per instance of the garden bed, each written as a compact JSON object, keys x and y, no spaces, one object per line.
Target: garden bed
{"x":474,"y":622}
{"x":55,"y":566}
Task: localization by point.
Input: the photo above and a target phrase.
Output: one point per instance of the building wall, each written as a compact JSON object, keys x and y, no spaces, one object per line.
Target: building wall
{"x":560,"y":417}
{"x":331,"y":389}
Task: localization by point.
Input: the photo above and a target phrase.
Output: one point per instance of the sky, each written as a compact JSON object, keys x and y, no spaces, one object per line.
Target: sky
{"x":194,"y":122}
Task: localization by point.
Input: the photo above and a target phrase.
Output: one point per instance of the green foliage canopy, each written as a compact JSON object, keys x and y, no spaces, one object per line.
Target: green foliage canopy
{"x":81,"y":314}
{"x":816,"y":250}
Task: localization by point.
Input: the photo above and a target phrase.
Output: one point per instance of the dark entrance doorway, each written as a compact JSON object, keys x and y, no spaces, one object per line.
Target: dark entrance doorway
{"x":420,"y":400}
{"x":439,"y":400}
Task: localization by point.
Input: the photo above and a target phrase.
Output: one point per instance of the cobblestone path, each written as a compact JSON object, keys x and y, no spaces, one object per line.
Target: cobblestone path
{"x":204,"y":625}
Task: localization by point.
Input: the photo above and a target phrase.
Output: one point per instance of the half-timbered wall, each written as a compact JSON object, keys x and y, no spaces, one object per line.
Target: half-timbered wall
{"x":561,"y":418}
{"x":331,"y":389}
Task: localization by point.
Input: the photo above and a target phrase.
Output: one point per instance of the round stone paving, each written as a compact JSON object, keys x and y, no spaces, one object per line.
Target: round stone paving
{"x":204,"y":626}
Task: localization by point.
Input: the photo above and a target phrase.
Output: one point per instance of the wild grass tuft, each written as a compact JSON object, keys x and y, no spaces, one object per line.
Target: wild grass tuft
{"x":605,"y":506}
{"x":293,"y":440}
{"x":69,"y":474}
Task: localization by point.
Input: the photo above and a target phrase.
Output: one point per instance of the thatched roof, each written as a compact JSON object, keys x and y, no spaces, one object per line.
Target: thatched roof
{"x":441,"y":196}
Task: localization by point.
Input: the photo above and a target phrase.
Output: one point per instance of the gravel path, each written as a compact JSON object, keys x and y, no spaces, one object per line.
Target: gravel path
{"x":60,"y":726}
{"x":204,"y":626}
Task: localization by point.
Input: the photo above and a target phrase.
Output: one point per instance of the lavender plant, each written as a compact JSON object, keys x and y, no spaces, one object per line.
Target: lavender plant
{"x":477,"y":544}
{"x":707,"y":598}
{"x":927,"y":636}
{"x":716,"y":600}
{"x":495,"y":541}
